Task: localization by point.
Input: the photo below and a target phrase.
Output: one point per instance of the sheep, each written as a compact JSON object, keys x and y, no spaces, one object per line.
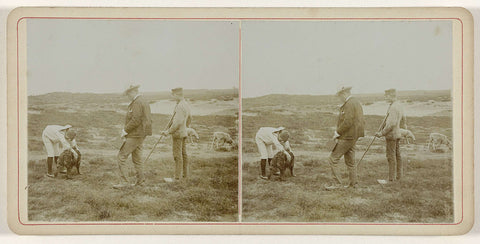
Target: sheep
{"x":220,"y":139}
{"x":312,"y":138}
{"x":191,"y":133}
{"x":437,"y":139}
{"x":406,"y":134}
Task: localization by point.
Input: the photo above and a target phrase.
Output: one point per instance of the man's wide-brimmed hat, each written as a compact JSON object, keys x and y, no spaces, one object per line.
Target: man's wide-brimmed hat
{"x":343,"y":88}
{"x":177,"y":91}
{"x":390,"y":92}
{"x":131,"y":88}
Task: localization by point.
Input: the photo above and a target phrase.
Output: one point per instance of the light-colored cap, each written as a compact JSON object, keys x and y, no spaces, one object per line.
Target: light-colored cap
{"x":67,"y":127}
{"x":279,"y":129}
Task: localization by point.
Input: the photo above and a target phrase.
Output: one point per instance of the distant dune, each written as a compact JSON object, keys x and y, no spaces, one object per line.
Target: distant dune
{"x":199,"y":107}
{"x":68,"y":97}
{"x":416,"y":103}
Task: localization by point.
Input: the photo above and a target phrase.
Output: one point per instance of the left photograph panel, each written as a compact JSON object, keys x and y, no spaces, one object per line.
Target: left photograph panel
{"x":132,"y":120}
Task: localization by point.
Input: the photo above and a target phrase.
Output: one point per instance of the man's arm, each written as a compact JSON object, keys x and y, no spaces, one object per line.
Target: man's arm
{"x":74,"y":144}
{"x":136,"y":120}
{"x":277,"y":143}
{"x":349,"y":119}
{"x":189,"y":120}
{"x":391,"y":122}
{"x":64,"y":142}
{"x":177,"y":120}
{"x":287,"y":146}
{"x":147,"y":117}
{"x":403,"y":122}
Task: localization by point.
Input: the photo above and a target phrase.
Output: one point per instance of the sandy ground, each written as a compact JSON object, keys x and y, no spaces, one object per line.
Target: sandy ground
{"x":211,"y":107}
{"x":415,"y":109}
{"x":412,"y":109}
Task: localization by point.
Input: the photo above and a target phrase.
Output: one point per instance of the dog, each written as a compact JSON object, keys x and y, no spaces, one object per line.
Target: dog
{"x":68,"y":160}
{"x":281,"y":163}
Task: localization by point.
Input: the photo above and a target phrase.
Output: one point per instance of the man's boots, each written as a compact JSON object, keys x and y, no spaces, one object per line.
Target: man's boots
{"x":49,"y":167}
{"x":352,"y":176}
{"x":336,"y":177}
{"x":263,"y":164}
{"x":140,"y":179}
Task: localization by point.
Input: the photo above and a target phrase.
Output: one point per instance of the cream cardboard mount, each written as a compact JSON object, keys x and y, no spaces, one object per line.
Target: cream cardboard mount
{"x":29,"y":213}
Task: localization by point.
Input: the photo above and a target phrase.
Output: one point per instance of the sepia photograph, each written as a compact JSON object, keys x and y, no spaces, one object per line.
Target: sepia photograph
{"x":240,"y":121}
{"x":132,"y":120}
{"x":347,"y":121}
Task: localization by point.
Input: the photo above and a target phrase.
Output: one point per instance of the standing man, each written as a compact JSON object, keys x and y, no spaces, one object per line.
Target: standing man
{"x":138,"y":125}
{"x":350,"y":126}
{"x":56,"y":141}
{"x":177,"y":127}
{"x":265,"y":138}
{"x":391,"y":131}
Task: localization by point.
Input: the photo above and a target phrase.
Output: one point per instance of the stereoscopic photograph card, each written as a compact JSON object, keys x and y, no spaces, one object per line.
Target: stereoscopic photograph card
{"x":240,"y":121}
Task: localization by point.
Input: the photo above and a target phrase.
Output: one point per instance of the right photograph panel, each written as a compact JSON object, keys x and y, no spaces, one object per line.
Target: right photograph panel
{"x":347,"y":121}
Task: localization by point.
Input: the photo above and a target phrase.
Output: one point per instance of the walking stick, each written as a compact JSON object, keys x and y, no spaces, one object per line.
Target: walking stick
{"x":374,"y":137}
{"x":159,"y":139}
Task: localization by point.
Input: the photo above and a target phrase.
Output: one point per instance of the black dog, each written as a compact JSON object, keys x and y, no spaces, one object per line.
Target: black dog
{"x":280,"y":162}
{"x":68,"y":160}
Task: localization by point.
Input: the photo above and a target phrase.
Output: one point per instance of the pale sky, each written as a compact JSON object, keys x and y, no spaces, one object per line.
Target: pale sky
{"x":104,"y":56}
{"x":292,"y":57}
{"x":313,"y":57}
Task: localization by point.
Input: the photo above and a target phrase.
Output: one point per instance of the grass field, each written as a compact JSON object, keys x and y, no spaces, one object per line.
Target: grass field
{"x":210,"y":194}
{"x":424,"y":195}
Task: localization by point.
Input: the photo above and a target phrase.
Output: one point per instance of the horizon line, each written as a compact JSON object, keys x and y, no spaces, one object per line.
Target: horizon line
{"x":360,"y":93}
{"x":236,"y":88}
{"x":120,"y":92}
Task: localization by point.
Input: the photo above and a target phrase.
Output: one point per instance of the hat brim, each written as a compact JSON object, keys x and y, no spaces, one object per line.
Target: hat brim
{"x":348,"y":88}
{"x":131,"y":89}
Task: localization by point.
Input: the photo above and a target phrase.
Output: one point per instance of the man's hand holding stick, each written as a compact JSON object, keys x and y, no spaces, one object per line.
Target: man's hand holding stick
{"x":377,"y":134}
{"x":162,"y":135}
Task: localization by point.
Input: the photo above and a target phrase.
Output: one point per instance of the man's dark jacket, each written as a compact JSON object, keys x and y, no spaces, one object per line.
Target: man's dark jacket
{"x":138,"y":122}
{"x":351,"y":124}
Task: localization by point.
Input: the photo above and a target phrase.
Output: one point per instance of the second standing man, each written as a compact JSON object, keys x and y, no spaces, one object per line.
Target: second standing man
{"x":181,"y":119}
